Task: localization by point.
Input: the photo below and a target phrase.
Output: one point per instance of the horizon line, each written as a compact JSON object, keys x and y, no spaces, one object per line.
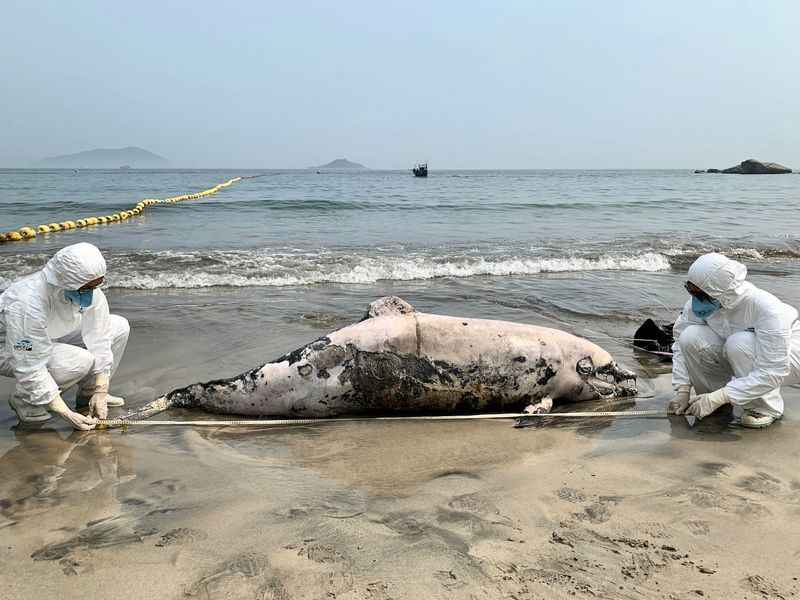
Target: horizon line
{"x":347,"y":170}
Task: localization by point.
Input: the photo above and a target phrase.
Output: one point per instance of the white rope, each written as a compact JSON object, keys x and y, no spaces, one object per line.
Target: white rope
{"x":113,"y":423}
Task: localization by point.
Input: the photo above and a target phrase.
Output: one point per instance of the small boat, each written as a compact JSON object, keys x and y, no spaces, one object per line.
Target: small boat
{"x":420,"y":170}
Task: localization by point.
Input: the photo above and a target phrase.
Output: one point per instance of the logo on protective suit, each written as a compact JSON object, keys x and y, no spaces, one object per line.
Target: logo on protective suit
{"x":24,"y":345}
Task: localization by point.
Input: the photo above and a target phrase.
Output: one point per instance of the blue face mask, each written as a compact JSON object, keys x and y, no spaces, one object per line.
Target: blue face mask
{"x":81,"y":299}
{"x":704,"y":308}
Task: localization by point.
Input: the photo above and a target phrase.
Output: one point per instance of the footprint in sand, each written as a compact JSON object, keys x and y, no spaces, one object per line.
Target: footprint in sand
{"x":713,"y":468}
{"x":598,"y":512}
{"x":116,"y":531}
{"x":473,"y":503}
{"x":476,"y":504}
{"x":571,"y":495}
{"x":404,"y":524}
{"x":322,"y":553}
{"x":231,"y":577}
{"x":180,"y":536}
{"x":761,"y":483}
{"x":698,"y":527}
{"x":705,"y":497}
{"x":167,"y":487}
{"x":764,"y":587}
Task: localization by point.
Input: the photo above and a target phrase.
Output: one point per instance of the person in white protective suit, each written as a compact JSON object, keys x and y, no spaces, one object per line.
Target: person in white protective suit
{"x":55,"y":332}
{"x":735,"y":343}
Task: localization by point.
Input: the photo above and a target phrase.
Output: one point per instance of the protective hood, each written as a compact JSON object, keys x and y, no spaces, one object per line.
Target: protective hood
{"x":719,"y":277}
{"x":74,"y":266}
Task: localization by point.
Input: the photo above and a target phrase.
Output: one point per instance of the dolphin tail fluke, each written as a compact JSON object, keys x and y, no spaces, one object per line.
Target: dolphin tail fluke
{"x":155,"y":407}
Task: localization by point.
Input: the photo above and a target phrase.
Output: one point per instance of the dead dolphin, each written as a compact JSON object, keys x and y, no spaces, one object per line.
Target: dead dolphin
{"x":400,"y":361}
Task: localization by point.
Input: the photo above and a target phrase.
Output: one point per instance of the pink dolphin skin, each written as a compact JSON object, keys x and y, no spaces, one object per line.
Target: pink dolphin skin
{"x":398,"y":361}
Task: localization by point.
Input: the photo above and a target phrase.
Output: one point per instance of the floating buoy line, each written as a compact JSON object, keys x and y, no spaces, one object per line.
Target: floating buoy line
{"x":30,"y":232}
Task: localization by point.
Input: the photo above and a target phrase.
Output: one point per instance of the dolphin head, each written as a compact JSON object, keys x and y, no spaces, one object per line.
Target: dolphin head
{"x":602,"y":377}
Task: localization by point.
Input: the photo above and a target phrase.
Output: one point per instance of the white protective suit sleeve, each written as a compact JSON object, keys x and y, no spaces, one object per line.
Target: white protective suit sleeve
{"x":30,"y":346}
{"x":680,"y":374}
{"x":97,"y":333}
{"x":773,"y":333}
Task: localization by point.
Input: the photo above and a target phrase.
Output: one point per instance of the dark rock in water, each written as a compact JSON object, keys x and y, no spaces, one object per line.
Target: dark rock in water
{"x":713,"y":171}
{"x":699,"y":170}
{"x":752,"y":166}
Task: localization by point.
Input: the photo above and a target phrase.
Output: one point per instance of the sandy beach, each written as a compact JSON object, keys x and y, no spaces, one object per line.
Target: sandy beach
{"x":252,"y":175}
{"x":604,"y":508}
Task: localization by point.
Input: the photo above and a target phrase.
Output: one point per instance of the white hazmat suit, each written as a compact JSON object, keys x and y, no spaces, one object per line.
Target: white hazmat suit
{"x":47,"y":343}
{"x":746,"y":349}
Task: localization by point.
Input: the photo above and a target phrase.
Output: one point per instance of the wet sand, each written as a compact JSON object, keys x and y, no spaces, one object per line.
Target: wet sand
{"x":603,"y":508}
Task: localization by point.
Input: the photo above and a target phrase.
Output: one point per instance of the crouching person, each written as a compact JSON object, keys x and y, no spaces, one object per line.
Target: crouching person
{"x":735,"y":344}
{"x":56,"y":332}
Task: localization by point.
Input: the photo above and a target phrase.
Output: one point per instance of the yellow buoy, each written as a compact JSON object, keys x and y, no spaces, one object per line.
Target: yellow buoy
{"x":30,"y":232}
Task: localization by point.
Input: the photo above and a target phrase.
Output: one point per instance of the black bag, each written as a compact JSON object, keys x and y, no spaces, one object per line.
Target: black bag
{"x":654,"y":338}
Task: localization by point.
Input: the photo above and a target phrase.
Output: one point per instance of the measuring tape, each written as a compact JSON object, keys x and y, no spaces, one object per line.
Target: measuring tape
{"x":115,"y":423}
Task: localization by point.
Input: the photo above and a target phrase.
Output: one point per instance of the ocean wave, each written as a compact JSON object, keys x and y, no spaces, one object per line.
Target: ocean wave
{"x":378,"y":205}
{"x":366,"y":270}
{"x":147,"y":270}
{"x":244,"y":268}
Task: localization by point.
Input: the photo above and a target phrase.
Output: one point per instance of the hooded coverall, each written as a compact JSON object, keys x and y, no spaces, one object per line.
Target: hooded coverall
{"x":750,"y":345}
{"x":49,"y":344}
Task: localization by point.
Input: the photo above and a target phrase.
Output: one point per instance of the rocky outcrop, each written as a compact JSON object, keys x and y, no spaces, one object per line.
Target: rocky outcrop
{"x":756,"y":167}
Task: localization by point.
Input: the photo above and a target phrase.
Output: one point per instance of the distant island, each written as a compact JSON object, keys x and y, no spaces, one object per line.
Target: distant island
{"x":340,"y":163}
{"x":107,"y":158}
{"x":751,"y":166}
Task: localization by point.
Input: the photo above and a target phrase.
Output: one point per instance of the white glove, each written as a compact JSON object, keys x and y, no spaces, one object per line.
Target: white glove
{"x":679,"y":404}
{"x":98,"y":403}
{"x":705,"y":404}
{"x":545,"y":405}
{"x":77,"y":420}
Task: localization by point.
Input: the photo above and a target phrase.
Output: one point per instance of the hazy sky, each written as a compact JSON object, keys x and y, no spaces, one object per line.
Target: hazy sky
{"x":517,"y":84}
